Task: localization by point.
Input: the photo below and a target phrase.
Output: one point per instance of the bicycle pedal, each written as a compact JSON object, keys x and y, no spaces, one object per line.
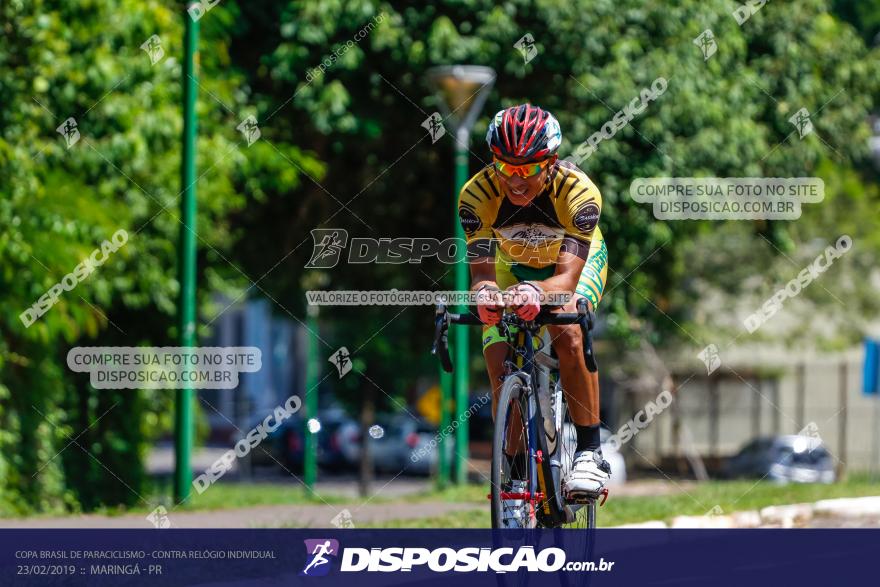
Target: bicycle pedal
{"x":581,"y":497}
{"x":587,"y":497}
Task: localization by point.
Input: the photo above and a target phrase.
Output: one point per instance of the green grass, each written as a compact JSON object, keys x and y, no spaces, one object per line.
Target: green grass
{"x":224,"y":496}
{"x":475,"y":518}
{"x":220,"y":496}
{"x":692,"y":499}
{"x":695,"y":500}
{"x":453,"y":493}
{"x":237,"y":495}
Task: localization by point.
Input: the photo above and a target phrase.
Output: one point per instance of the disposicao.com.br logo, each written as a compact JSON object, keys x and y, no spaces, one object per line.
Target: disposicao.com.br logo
{"x":444,"y":559}
{"x":317,"y":560}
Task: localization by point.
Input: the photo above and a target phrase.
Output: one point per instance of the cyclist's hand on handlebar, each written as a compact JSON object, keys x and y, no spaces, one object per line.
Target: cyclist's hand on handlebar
{"x":526,"y":300}
{"x":490,"y":304}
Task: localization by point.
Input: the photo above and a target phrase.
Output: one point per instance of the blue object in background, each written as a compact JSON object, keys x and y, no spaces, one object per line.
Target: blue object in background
{"x":870,"y":383}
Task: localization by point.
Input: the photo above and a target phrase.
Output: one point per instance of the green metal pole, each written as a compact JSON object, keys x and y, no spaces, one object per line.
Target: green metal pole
{"x":460,"y":343}
{"x":183,"y":428}
{"x":310,"y":460}
{"x":442,"y":457}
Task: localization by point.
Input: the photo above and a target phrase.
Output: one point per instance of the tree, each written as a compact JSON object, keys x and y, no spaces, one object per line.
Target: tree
{"x":347,"y":79}
{"x":61,"y":196}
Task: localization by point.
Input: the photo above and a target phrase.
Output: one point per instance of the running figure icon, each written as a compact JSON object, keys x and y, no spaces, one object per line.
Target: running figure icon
{"x":319,"y":552}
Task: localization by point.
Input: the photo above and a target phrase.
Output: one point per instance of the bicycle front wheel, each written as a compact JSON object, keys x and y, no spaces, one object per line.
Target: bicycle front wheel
{"x":511,"y":500}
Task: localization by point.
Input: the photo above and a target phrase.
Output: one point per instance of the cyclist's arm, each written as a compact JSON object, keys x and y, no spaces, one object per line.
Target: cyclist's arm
{"x":565,"y":279}
{"x":482,"y":272}
{"x":476,"y":212}
{"x":568,"y":271}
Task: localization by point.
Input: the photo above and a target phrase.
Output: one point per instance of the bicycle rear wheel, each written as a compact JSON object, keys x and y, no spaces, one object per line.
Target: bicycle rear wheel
{"x":510,"y":438}
{"x":579,"y":534}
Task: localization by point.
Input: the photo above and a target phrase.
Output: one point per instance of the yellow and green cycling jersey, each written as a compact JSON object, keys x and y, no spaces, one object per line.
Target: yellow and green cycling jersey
{"x":590,"y":283}
{"x":526,"y":240}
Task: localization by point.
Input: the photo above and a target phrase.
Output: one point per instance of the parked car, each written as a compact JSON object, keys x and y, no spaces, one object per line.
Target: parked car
{"x":784,"y":459}
{"x":611,"y":453}
{"x":406,"y":444}
{"x":283,"y":445}
{"x":422,"y":453}
{"x":348,"y":440}
{"x":398,"y":443}
{"x":338,"y":431}
{"x":287,"y":444}
{"x":341,"y":438}
{"x":336,"y":435}
{"x":386,"y":443}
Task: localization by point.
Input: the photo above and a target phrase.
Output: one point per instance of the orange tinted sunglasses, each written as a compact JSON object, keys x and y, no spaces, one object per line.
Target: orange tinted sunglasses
{"x":527,"y":170}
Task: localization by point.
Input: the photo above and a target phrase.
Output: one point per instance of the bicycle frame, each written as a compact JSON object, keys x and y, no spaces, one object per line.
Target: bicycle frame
{"x":523,"y":352}
{"x":543,"y":484}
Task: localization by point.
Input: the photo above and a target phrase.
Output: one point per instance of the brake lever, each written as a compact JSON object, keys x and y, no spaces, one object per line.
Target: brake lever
{"x":586,"y":323}
{"x":589,"y":355}
{"x":440,"y":347}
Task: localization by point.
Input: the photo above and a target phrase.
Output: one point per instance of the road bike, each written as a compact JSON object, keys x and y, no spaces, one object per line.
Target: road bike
{"x":532,"y":418}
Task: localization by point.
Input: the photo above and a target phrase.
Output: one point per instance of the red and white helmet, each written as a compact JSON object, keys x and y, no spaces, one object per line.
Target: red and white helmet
{"x":524,"y":131}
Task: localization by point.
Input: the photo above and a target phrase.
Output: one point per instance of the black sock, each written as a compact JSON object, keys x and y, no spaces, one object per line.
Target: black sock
{"x":587,"y":437}
{"x":517,"y":466}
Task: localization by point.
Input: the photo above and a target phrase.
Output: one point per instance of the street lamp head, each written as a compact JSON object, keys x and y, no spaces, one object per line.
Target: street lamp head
{"x":461,"y":92}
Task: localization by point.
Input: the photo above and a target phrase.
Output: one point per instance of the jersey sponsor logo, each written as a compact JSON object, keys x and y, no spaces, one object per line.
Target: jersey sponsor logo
{"x":532,"y":235}
{"x":587,"y":217}
{"x":470,"y":222}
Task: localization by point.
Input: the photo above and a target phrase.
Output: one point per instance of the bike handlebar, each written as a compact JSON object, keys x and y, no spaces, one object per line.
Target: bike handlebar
{"x":583,"y":317}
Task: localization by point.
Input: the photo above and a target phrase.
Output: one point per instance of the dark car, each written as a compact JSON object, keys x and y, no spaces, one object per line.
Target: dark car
{"x":784,"y":459}
{"x":286,"y":444}
{"x":337,"y":433}
{"x":399,"y":443}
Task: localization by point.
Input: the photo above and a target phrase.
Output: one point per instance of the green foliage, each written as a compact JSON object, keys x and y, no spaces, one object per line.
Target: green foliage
{"x":84,"y":60}
{"x":864,"y":15}
{"x":343,"y":146}
{"x":726,"y":116}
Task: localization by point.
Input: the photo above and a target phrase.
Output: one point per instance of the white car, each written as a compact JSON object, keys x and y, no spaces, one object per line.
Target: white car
{"x":398,"y":443}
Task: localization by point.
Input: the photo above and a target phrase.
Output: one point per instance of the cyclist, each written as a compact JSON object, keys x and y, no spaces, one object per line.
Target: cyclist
{"x":531,"y":223}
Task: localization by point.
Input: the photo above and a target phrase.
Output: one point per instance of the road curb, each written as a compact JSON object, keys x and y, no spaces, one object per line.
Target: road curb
{"x":848,"y":507}
{"x":774,"y":516}
{"x":787,"y":516}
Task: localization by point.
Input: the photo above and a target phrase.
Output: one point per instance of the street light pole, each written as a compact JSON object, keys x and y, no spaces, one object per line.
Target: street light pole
{"x":310,"y":458}
{"x":461,"y":342}
{"x":183,"y":401}
{"x":461,"y":91}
